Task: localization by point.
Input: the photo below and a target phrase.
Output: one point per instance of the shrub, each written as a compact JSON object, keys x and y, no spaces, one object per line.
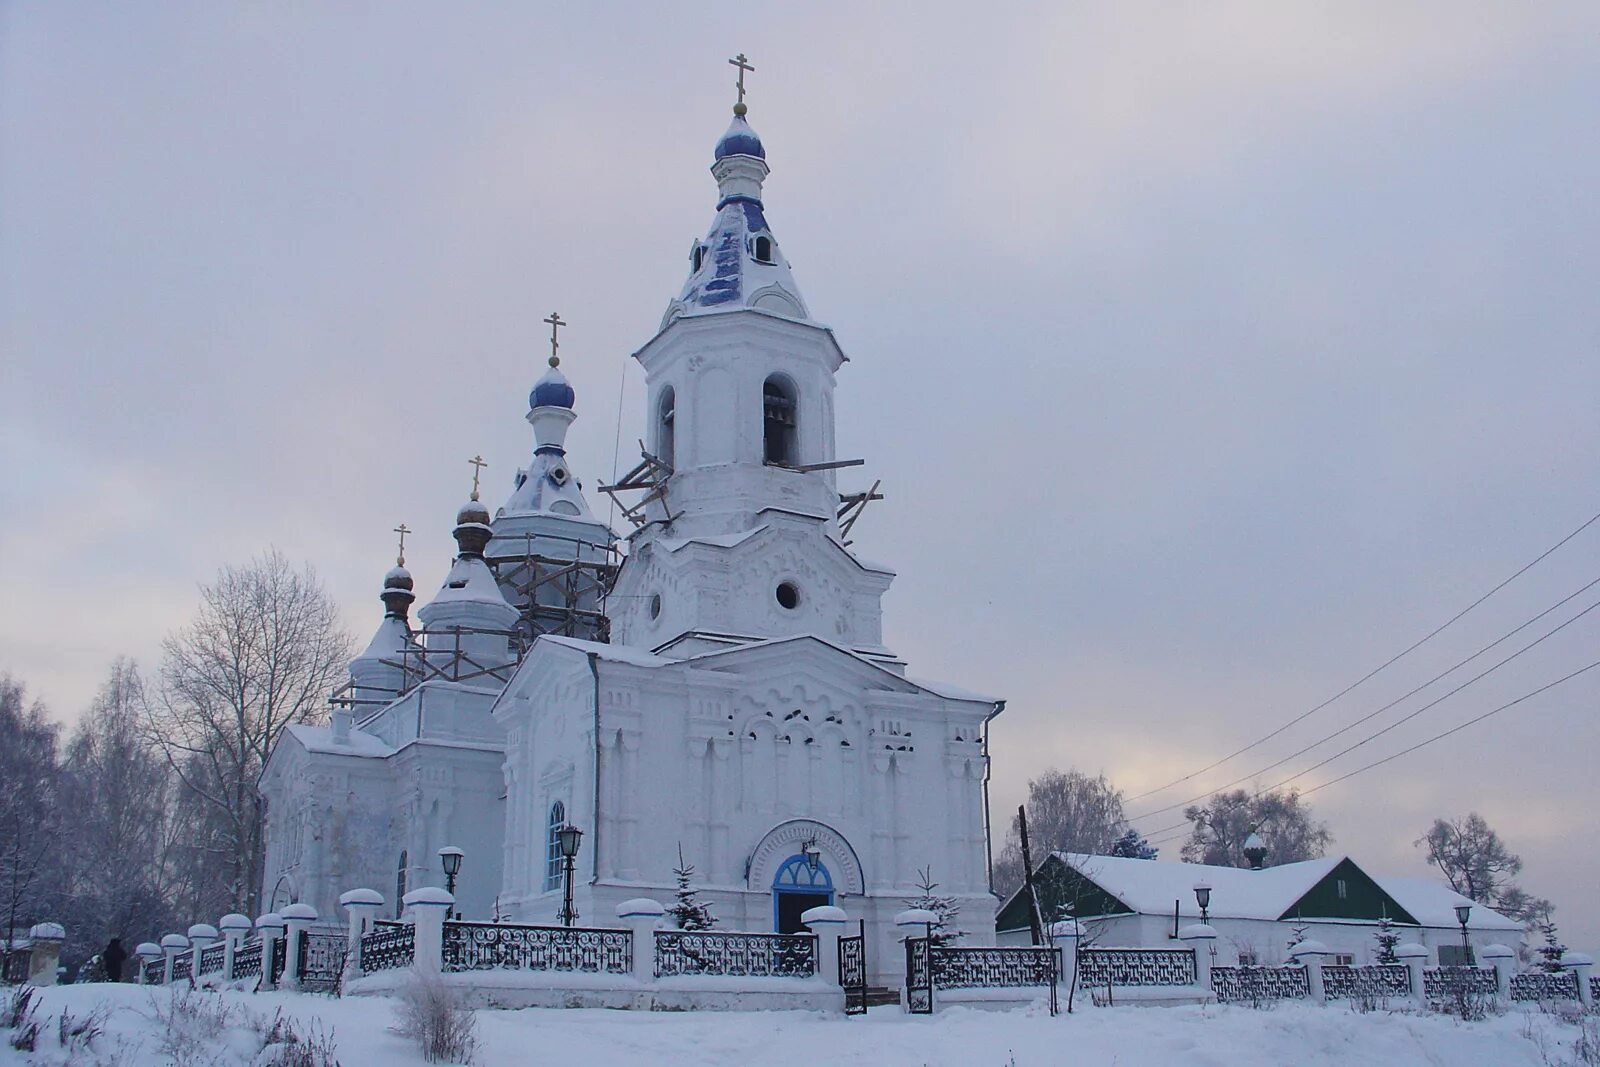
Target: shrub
{"x":433,"y":1015}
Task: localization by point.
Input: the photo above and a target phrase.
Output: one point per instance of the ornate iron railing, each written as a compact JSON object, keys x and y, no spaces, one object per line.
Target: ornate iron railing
{"x":1442,"y":983}
{"x":1545,"y":985}
{"x":155,"y":971}
{"x":322,"y":959}
{"x":993,"y":968}
{"x":919,"y":976}
{"x":17,"y":961}
{"x":182,"y":966}
{"x":1100,"y":967}
{"x":473,"y":946}
{"x":247,"y":960}
{"x":1236,"y":984}
{"x":712,"y":952}
{"x":280,"y":959}
{"x":388,"y":945}
{"x":211,"y":958}
{"x":1366,"y":983}
{"x":853,"y":973}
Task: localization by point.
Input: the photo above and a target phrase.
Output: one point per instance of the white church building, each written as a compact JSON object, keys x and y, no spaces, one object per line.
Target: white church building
{"x":726,"y":690}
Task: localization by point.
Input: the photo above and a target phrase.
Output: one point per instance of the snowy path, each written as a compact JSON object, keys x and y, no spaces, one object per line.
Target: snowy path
{"x":1128,"y":1037}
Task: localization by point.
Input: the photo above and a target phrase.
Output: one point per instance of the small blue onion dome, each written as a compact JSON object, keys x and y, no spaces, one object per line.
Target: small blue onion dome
{"x":552,"y":391}
{"x":740,"y":140}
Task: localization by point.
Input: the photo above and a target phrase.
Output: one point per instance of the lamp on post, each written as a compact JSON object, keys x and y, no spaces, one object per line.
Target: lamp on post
{"x":1463,"y":913}
{"x":568,"y":838}
{"x":812,"y":853}
{"x":450,"y":856}
{"x":1202,"y":897}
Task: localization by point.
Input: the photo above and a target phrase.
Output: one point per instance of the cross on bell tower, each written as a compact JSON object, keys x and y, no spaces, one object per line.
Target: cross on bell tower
{"x":744,"y":65}
{"x":477,"y":468}
{"x":402,"y":530}
{"x":556,"y":322}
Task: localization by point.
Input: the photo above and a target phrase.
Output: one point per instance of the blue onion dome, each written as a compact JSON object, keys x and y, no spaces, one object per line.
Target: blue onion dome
{"x":553,"y":390}
{"x":740,"y":140}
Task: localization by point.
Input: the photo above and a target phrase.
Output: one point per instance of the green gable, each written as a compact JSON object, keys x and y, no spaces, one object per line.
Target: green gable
{"x":1347,"y":892}
{"x":1063,"y":893}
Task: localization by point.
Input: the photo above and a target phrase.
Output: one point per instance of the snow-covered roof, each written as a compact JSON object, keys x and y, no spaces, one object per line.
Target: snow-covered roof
{"x":548,"y":487}
{"x":469,"y":581}
{"x":1150,"y":886}
{"x":320,"y":739}
{"x":1434,"y":904}
{"x":391,"y":638}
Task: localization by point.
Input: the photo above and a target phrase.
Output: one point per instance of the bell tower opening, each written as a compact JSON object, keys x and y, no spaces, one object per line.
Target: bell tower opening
{"x":779,"y":409}
{"x":666,"y":436}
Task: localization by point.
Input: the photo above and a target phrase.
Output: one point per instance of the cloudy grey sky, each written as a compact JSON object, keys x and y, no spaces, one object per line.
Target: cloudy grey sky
{"x":1210,"y":354}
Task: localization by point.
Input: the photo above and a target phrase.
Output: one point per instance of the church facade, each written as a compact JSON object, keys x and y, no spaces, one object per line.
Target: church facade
{"x":731,"y":699}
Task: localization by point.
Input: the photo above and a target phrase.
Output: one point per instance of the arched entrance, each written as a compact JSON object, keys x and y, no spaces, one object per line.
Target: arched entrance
{"x":796,"y":889}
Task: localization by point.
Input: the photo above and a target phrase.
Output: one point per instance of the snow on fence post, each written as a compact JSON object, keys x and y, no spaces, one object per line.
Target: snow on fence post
{"x":173,"y":946}
{"x":297,"y":919}
{"x":147,"y":952}
{"x":642,"y":915}
{"x":1064,"y":936}
{"x":1415,"y":957}
{"x":1582,"y":965}
{"x":429,"y":906}
{"x":1309,"y":954}
{"x":201,"y":937}
{"x":1504,"y":962}
{"x":46,"y":939}
{"x":1200,"y":939}
{"x":271,"y":927}
{"x":363,"y":906}
{"x":235,"y":928}
{"x":827,"y":922}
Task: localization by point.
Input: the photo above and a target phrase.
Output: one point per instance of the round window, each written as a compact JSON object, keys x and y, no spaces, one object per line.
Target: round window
{"x":655,"y":606}
{"x":788,"y":595}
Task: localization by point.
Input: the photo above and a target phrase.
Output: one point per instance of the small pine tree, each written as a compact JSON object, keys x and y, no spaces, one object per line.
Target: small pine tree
{"x":1297,"y":934}
{"x":946,"y":908}
{"x":1131,"y":846}
{"x":1552,"y":950}
{"x":689,"y":912}
{"x":1387,"y":939}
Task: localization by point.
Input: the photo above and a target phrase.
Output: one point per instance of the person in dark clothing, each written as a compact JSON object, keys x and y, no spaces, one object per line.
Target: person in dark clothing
{"x":113,"y":958}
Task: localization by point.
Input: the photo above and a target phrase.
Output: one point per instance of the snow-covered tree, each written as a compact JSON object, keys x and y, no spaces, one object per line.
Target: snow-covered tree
{"x":1552,"y":950}
{"x":1131,"y":846}
{"x":945,"y":907}
{"x":1387,"y":939}
{"x":30,"y":845}
{"x":689,"y":911}
{"x":1297,"y":934}
{"x":1479,"y":866}
{"x":1069,"y":812}
{"x":1223,"y":824}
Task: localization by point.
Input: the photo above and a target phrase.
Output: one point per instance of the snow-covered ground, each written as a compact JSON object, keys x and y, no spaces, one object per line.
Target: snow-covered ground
{"x":361,"y":1027}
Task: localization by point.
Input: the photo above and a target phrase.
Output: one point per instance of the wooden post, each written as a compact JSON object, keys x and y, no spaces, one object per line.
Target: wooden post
{"x":1035,"y":917}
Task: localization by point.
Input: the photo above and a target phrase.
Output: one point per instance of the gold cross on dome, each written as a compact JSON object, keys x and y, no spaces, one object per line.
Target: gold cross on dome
{"x":744,"y":65}
{"x":477,"y":468}
{"x":556,"y":323}
{"x":402,"y":530}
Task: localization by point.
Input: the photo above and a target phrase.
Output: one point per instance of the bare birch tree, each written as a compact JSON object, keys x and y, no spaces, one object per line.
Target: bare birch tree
{"x":263,"y":651}
{"x":29,"y":820}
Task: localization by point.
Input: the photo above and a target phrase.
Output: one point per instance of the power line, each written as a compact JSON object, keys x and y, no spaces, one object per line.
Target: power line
{"x":1406,"y":696}
{"x":1376,"y":670}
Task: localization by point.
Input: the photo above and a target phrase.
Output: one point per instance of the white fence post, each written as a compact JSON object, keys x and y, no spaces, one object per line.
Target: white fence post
{"x":271,"y":927}
{"x":173,"y":946}
{"x":1504,"y":962}
{"x":1203,"y":940}
{"x":1310,"y":954}
{"x":45,"y":941}
{"x":1064,"y":936}
{"x":1415,"y":957}
{"x":429,"y":906}
{"x":297,"y":918}
{"x":1582,"y":965}
{"x":642,"y":915}
{"x":201,"y":937}
{"x":827,"y":922}
{"x":235,"y":928}
{"x":147,"y":951}
{"x":363,"y":906}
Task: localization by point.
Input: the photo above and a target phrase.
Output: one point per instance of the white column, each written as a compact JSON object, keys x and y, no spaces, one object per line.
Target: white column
{"x":1310,"y":954}
{"x":1504,"y":962}
{"x":363,"y":906}
{"x":235,"y":928}
{"x":642,"y":915}
{"x":270,"y":926}
{"x":1582,"y":965}
{"x":201,"y":937}
{"x":147,"y":951}
{"x":1064,"y":936}
{"x":173,"y":945}
{"x":46,"y":940}
{"x":297,"y":918}
{"x":429,"y":906}
{"x":1415,"y":957}
{"x":1203,"y":940}
{"x":827,"y":922}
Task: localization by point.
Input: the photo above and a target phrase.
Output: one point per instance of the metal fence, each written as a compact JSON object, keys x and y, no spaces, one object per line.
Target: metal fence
{"x":1249,"y":984}
{"x":1366,"y":983}
{"x":155,"y":971}
{"x":388,"y":945}
{"x":475,"y":946}
{"x":322,"y":959}
{"x":1100,"y":967}
{"x":17,"y":961}
{"x":1545,"y":985}
{"x":211,"y":958}
{"x":740,"y":955}
{"x":247,"y":960}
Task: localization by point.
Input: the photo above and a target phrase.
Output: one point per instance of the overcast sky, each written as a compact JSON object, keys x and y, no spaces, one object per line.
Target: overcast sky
{"x":1209,"y":354}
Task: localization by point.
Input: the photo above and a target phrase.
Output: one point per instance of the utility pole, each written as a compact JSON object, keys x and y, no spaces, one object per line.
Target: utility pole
{"x":1035,"y":917}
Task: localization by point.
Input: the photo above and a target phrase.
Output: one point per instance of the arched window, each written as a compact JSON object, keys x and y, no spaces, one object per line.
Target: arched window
{"x":697,"y":256}
{"x":778,"y":422}
{"x":762,"y":249}
{"x":400,"y":885}
{"x":666,"y":437}
{"x":552,"y":846}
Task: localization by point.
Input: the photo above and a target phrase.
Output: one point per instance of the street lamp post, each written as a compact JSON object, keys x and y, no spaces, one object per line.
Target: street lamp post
{"x":1463,"y":913}
{"x":568,"y":838}
{"x":813,"y":854}
{"x":451,"y":857}
{"x":1202,"y":897}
